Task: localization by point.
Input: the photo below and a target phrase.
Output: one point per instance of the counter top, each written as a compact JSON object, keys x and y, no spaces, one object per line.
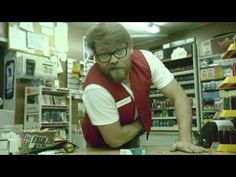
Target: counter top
{"x":153,"y":150}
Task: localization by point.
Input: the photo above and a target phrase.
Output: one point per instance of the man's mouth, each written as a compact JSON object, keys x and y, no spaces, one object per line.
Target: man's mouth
{"x":116,"y":68}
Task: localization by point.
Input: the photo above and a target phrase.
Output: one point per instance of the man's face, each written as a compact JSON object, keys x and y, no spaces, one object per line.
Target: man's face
{"x":115,"y":62}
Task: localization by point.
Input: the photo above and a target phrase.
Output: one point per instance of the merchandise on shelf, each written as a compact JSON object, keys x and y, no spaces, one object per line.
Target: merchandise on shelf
{"x":183,"y":66}
{"x":48,"y":107}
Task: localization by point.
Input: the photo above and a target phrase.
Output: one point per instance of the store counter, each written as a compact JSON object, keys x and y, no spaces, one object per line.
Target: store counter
{"x":154,"y":150}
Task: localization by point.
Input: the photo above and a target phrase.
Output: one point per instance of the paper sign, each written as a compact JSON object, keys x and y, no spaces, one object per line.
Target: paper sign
{"x":47,"y":24}
{"x":27,"y":26}
{"x":17,"y":38}
{"x":47,"y":31}
{"x":37,"y":41}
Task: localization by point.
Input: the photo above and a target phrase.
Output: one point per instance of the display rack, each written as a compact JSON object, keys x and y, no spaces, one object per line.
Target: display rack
{"x":184,"y":70}
{"x":47,"y":107}
{"x":228,"y":93}
{"x":212,"y":71}
{"x":227,"y":138}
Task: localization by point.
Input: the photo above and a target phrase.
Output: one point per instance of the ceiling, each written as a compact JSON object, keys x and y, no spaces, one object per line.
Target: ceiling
{"x":166,"y":29}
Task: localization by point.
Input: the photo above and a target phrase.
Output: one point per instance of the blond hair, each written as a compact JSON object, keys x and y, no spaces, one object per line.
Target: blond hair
{"x":108,"y":34}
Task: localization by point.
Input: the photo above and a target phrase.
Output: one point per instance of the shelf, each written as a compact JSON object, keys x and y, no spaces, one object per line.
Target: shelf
{"x":210,"y":56}
{"x":175,"y":128}
{"x":169,"y":59}
{"x":156,"y":95}
{"x":54,"y":124}
{"x":228,"y":83}
{"x":163,"y":118}
{"x":226,"y":148}
{"x":209,"y":111}
{"x":31,"y":114}
{"x":211,"y":99}
{"x":167,"y":118}
{"x":180,"y":82}
{"x":54,"y":106}
{"x":183,"y":72}
{"x":207,"y":80}
{"x":169,"y":108}
{"x":55,"y":92}
{"x":53,"y":111}
{"x":210,"y":90}
{"x":190,"y":91}
{"x":228,"y":114}
{"x":164,"y":128}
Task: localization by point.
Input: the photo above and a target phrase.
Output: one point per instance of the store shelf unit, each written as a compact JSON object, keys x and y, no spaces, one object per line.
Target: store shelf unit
{"x":184,"y":70}
{"x":228,"y":93}
{"x":47,"y":107}
{"x":212,"y":72}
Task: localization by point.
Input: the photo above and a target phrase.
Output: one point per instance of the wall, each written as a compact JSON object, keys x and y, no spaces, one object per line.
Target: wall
{"x":75,"y":38}
{"x":200,"y":33}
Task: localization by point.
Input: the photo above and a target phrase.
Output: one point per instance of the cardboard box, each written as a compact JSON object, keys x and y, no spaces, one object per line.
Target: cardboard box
{"x":216,"y":45}
{"x":212,"y":73}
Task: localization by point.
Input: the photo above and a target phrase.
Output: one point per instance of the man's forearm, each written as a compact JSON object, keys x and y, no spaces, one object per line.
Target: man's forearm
{"x":184,"y":116}
{"x":127,"y":133}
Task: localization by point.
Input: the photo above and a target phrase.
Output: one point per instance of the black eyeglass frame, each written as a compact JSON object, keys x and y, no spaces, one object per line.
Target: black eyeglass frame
{"x":97,"y":56}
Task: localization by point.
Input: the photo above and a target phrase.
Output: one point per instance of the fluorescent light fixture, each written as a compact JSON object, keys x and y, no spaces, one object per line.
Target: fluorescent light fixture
{"x":148,"y":27}
{"x":152,"y":28}
{"x":160,"y":23}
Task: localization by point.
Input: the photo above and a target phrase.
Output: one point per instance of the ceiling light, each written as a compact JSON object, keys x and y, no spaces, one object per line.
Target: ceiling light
{"x":148,"y":27}
{"x":152,"y":28}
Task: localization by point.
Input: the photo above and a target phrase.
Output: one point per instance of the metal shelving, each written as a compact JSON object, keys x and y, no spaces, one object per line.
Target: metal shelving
{"x":47,"y":107}
{"x":186,"y":73}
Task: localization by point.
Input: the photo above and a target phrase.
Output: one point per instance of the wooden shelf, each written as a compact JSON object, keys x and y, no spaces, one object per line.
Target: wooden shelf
{"x":228,"y":83}
{"x":228,"y":114}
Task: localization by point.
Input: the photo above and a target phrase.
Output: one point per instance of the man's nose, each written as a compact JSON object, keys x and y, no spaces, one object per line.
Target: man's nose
{"x":114,"y":59}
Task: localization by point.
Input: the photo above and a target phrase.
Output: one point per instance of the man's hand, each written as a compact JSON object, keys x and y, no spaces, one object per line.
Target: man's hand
{"x":187,"y":147}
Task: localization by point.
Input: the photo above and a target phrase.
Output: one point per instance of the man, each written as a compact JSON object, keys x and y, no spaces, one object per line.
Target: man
{"x":116,"y":94}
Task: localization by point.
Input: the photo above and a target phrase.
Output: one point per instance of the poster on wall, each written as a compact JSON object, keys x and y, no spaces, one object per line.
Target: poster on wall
{"x":9,"y":79}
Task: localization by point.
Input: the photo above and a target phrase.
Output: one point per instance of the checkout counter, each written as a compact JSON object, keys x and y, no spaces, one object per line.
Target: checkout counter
{"x":152,"y":150}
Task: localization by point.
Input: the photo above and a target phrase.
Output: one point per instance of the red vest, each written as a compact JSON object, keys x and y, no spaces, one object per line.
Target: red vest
{"x":140,"y":81}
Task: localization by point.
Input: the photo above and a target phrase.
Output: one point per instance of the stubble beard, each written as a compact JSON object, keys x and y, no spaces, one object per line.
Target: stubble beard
{"x":118,"y":75}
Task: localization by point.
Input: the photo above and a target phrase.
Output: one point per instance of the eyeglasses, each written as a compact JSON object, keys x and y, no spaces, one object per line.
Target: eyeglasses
{"x":106,"y":57}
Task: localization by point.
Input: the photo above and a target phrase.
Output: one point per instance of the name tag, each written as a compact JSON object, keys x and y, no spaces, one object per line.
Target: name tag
{"x":123,"y":102}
